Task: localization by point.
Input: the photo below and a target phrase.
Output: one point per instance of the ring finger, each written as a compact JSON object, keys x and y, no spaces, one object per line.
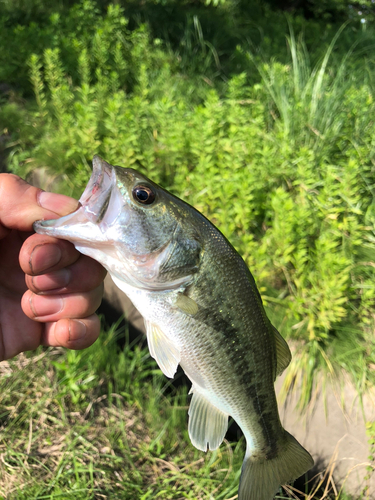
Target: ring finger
{"x":50,"y":308}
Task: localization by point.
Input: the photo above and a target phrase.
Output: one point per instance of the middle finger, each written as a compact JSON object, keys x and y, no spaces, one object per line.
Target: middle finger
{"x":47,"y":308}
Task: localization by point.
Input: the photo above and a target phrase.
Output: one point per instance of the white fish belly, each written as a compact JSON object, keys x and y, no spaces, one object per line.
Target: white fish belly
{"x":205,"y":362}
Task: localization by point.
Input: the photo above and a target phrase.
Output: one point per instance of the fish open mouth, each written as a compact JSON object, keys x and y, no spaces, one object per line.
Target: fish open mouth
{"x":92,"y":205}
{"x":96,"y":196}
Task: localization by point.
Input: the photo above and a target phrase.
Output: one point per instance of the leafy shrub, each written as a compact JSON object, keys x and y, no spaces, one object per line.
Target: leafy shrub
{"x":202,"y":36}
{"x":283,"y":167}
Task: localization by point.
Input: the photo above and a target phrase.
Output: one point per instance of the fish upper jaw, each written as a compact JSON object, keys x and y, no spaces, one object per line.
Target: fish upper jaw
{"x":84,"y":225}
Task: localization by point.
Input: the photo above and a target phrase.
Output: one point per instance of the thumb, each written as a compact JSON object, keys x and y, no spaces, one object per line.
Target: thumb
{"x":22,"y":204}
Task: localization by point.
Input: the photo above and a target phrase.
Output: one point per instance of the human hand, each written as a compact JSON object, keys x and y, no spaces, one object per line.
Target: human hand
{"x":49,"y":292}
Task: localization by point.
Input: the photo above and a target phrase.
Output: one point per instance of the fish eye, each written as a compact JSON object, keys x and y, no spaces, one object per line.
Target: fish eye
{"x":144,"y":195}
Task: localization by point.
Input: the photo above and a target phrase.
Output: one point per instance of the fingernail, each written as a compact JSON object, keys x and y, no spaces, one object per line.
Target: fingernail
{"x":51,"y":281}
{"x":43,"y":257}
{"x":58,"y":203}
{"x":77,"y":330}
{"x":45,"y":306}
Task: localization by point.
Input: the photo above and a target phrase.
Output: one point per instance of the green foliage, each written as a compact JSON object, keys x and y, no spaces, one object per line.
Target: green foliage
{"x":284,"y":167}
{"x":70,"y":34}
{"x":201,"y":36}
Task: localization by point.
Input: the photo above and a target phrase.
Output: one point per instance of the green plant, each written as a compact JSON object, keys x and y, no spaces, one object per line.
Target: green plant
{"x":283,"y":167}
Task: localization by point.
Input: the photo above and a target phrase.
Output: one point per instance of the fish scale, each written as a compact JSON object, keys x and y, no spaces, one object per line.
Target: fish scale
{"x":202,"y":310}
{"x":238,"y":398}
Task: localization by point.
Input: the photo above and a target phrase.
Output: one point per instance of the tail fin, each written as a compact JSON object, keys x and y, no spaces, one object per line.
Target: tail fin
{"x":261,"y":478}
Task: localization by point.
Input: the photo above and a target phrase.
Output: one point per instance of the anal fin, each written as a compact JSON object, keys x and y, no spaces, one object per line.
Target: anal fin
{"x":207,"y":424}
{"x":162,"y":349}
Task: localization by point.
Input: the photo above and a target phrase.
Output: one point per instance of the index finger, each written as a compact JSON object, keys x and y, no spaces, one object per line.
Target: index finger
{"x":41,"y":254}
{"x":23,"y":204}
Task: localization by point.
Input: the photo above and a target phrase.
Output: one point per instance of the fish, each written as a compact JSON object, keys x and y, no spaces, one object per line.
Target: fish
{"x":202,"y":310}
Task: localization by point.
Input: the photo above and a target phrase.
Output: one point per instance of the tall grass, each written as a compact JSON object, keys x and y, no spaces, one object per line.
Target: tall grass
{"x":308,"y":101}
{"x":100,"y":424}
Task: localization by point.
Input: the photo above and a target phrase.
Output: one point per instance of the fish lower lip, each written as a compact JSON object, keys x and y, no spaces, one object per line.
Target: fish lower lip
{"x":55,"y":226}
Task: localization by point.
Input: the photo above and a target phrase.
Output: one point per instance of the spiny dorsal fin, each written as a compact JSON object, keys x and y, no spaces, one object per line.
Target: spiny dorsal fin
{"x":283,"y":354}
{"x":162,"y":349}
{"x":207,"y":424}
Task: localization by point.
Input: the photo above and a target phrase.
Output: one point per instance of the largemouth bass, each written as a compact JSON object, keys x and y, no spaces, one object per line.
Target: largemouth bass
{"x":202,"y":310}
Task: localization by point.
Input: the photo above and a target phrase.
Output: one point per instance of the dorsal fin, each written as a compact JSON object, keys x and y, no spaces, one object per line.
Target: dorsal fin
{"x":283,"y":354}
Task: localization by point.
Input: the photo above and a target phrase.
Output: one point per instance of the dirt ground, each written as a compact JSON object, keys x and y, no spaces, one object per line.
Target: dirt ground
{"x":335,"y":434}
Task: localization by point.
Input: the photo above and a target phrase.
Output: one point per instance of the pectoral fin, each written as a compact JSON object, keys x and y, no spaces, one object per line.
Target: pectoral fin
{"x":186,"y":304}
{"x":283,"y":354}
{"x":207,"y":424}
{"x":162,"y":349}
